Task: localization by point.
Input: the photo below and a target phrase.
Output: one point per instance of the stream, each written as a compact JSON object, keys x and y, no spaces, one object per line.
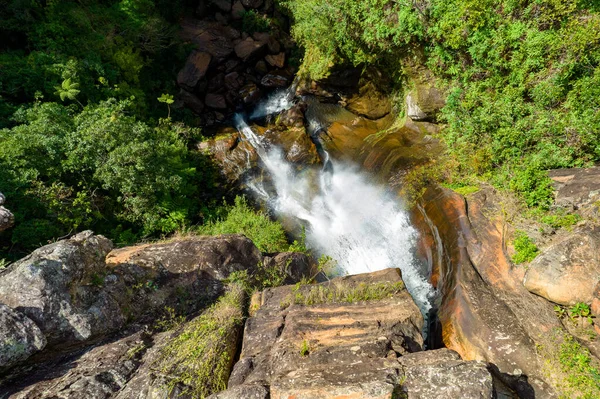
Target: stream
{"x":346,"y":216}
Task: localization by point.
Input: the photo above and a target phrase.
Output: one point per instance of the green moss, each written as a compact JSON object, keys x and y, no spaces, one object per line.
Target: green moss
{"x":200,"y":357}
{"x":343,"y":293}
{"x":462,"y":189}
{"x":525,"y":248}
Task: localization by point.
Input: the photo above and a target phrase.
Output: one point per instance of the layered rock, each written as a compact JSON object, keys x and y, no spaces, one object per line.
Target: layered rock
{"x":352,"y":337}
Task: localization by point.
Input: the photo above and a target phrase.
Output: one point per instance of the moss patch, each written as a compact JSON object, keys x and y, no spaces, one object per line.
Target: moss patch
{"x":200,"y":357}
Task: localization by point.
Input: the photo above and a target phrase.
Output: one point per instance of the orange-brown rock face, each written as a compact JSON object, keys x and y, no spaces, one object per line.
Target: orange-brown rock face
{"x":486,"y":313}
{"x":329,"y":341}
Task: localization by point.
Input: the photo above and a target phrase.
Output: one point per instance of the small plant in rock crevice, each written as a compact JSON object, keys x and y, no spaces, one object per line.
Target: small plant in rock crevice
{"x":305,"y":348}
{"x":525,"y":248}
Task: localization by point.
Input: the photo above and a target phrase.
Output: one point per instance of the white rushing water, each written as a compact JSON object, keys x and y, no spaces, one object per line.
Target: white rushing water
{"x":346,"y":216}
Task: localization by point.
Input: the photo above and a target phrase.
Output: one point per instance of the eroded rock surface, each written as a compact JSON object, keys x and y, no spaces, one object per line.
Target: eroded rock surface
{"x":486,"y":313}
{"x":307,"y":342}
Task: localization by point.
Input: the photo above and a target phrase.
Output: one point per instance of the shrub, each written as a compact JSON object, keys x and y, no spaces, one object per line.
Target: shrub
{"x":240,"y":218}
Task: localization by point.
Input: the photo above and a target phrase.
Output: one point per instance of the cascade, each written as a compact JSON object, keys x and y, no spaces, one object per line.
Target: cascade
{"x":347,"y":217}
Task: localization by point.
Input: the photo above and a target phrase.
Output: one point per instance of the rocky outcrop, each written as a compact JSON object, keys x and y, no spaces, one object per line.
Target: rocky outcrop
{"x":20,"y":337}
{"x":486,"y":312}
{"x":6,"y":217}
{"x":353,"y":337}
{"x":369,"y":102}
{"x":568,"y":271}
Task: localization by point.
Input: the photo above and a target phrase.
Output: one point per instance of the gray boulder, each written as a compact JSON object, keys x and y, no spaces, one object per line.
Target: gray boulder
{"x":19,"y":337}
{"x":55,"y":287}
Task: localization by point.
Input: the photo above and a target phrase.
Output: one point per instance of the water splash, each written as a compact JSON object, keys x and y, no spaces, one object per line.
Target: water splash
{"x":275,"y":103}
{"x":346,"y":216}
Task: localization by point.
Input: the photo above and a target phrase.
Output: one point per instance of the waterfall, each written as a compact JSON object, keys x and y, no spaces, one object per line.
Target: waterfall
{"x":349,"y":218}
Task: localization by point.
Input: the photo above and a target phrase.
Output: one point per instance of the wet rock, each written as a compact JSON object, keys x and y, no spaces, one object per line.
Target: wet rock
{"x":261,"y":67}
{"x":293,"y":117}
{"x":216,"y":101}
{"x":54,"y":287}
{"x":191,"y":101}
{"x":252,"y":3}
{"x":224,"y":5}
{"x":576,"y":188}
{"x":250,"y":94}
{"x":370,"y":102}
{"x":568,"y":271}
{"x":277,"y":61}
{"x":234,"y":157}
{"x":231,"y":65}
{"x":275,"y":80}
{"x":296,"y":144}
{"x":194,"y":69}
{"x":329,"y":349}
{"x":237,"y":10}
{"x":442,"y":374}
{"x":486,"y":312}
{"x":248,"y":48}
{"x":20,"y":337}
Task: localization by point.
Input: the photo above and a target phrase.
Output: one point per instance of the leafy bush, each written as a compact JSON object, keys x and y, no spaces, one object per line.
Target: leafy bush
{"x":240,"y":218}
{"x":101,"y":168}
{"x":254,"y":22}
{"x":525,"y":248}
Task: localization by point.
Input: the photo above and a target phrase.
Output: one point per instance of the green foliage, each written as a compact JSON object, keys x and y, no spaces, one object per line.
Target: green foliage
{"x":200,"y":355}
{"x":305,"y":348}
{"x":300,"y":246}
{"x":582,"y":375}
{"x":65,"y":171}
{"x":365,"y":31}
{"x":525,"y":248}
{"x":67,"y":90}
{"x":522,"y":77}
{"x":240,"y":218}
{"x":253,"y":22}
